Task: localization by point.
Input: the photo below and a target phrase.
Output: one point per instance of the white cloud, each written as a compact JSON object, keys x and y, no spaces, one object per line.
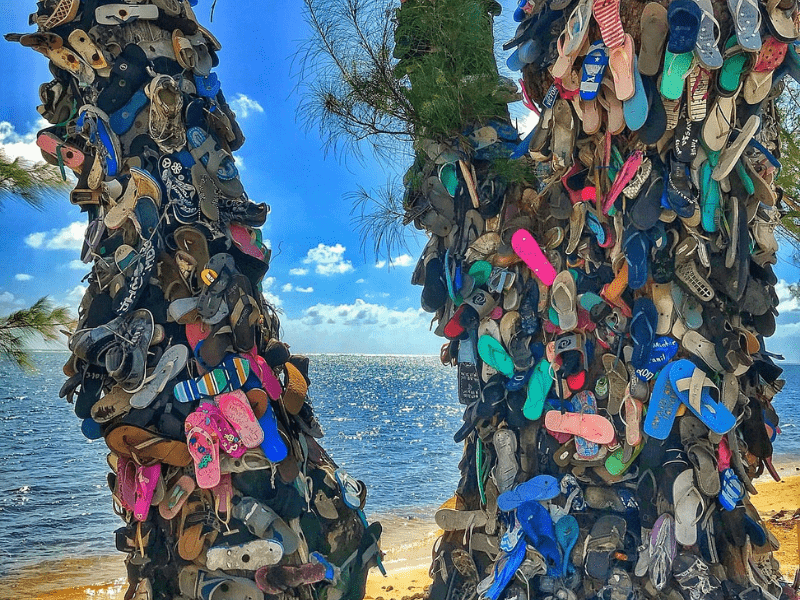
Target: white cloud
{"x":266,"y":286}
{"x":404,"y":260}
{"x":298,"y":272}
{"x":363,"y":313}
{"x":329,"y":260}
{"x":287,"y":287}
{"x":244,"y":106}
{"x":17,"y":145}
{"x":23,"y":277}
{"x":78,"y":265}
{"x":239,"y":160}
{"x":526,"y":124}
{"x":68,"y":238}
{"x":76,"y":293}
{"x":35,"y":240}
{"x":308,"y":290}
{"x":787,"y":302}
{"x":361,"y":280}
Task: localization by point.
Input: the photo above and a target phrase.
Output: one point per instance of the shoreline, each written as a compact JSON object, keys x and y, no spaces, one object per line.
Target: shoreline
{"x":407,"y":543}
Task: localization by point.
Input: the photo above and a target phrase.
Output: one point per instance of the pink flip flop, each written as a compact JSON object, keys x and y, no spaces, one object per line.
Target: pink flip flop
{"x":264,"y":373}
{"x":243,"y":240}
{"x":526,"y":247}
{"x":623,"y":178}
{"x":592,"y":428}
{"x":223,"y":494}
{"x":210,"y":416}
{"x":606,"y":13}
{"x":52,"y":145}
{"x":620,"y":62}
{"x":236,"y":409}
{"x":126,"y":482}
{"x":204,"y":450}
{"x":172,"y":503}
{"x":146,"y":482}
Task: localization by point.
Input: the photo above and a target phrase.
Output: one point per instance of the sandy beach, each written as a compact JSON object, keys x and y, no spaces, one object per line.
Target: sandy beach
{"x":407,"y":545}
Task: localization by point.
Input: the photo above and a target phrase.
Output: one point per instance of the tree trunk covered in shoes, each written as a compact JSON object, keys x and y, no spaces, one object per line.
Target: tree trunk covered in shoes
{"x":605,"y":288}
{"x":177,"y":361}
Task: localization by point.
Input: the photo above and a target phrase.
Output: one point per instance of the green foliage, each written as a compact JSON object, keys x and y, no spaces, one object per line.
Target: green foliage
{"x":446,"y":51}
{"x":29,"y":181}
{"x":20,"y":327}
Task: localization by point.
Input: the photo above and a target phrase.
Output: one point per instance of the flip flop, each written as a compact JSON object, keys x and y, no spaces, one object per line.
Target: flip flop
{"x":567,"y":534}
{"x":539,"y":385}
{"x":172,"y":362}
{"x":643,"y":331}
{"x":606,"y":13}
{"x":526,"y":247}
{"x":684,"y":23}
{"x":718,"y":123}
{"x":707,"y":46}
{"x":593,"y":428}
{"x":732,"y":491}
{"x":273,"y":445}
{"x":759,"y":81}
{"x":538,"y":527}
{"x":636,"y":107}
{"x":664,"y":350}
{"x":656,"y":124}
{"x":594,"y":67}
{"x":654,"y":27}
{"x":691,"y":385}
{"x":584,"y":403}
{"x":636,"y":245}
{"x":663,"y":407}
{"x":495,"y":355}
{"x":237,"y":410}
{"x":621,"y":64}
{"x":563,"y":299}
{"x":145,"y":486}
{"x":733,"y":151}
{"x":204,"y":449}
{"x":747,"y":22}
{"x":689,"y":508}
{"x":676,"y":69}
{"x":175,"y":497}
{"x":538,"y":489}
{"x":228,"y":376}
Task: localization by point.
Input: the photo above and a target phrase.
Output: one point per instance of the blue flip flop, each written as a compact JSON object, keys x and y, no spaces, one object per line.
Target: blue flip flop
{"x":273,"y":446}
{"x":594,"y":67}
{"x":664,"y":350}
{"x":636,"y":108}
{"x":643,"y":331}
{"x":505,"y":567}
{"x":567,"y":533}
{"x":539,"y":529}
{"x":122,"y":120}
{"x":636,"y":245}
{"x":714,"y":415}
{"x":663,"y":407}
{"x":684,"y":18}
{"x":732,"y":489}
{"x":541,"y":487}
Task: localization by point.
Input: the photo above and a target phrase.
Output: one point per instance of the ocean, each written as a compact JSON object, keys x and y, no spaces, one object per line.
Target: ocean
{"x":388,"y":419}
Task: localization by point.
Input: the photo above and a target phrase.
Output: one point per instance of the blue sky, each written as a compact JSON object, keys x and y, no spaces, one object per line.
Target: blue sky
{"x":333,"y":298}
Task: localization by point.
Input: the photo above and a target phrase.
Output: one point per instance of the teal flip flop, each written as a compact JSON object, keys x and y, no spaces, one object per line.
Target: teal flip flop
{"x":539,"y":385}
{"x":493,"y":354}
{"x":709,"y":199}
{"x":676,"y":69}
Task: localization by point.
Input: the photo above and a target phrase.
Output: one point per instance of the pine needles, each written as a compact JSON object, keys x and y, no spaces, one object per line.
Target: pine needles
{"x":43,"y":319}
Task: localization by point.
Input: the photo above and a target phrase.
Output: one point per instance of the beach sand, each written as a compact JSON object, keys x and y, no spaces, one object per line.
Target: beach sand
{"x":406,"y":542}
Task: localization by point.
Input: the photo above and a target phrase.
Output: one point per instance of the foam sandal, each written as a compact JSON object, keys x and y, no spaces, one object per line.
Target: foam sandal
{"x":654,"y":27}
{"x":606,"y":13}
{"x":539,"y":488}
{"x":691,"y":384}
{"x":684,"y":23}
{"x":707,"y":46}
{"x":663,"y":407}
{"x":118,"y":14}
{"x":594,"y":67}
{"x":689,"y":508}
{"x":733,"y":151}
{"x":237,"y":410}
{"x":492,"y":353}
{"x":621,"y":63}
{"x":747,"y":22}
{"x":635,"y":109}
{"x":758,"y":82}
{"x":249,"y":556}
{"x":676,"y":69}
{"x":228,"y":376}
{"x":218,"y":163}
{"x":593,"y":428}
{"x":176,"y":496}
{"x":172,"y":362}
{"x":526,"y":247}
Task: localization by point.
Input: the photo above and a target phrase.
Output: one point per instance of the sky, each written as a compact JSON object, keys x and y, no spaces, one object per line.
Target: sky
{"x":332,"y":296}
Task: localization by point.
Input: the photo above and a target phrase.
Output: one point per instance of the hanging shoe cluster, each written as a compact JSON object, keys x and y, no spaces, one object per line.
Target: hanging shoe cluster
{"x":608,"y":317}
{"x":176,"y":361}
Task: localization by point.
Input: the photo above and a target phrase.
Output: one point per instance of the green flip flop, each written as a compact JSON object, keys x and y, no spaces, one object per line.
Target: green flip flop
{"x":539,"y":384}
{"x":494,"y":355}
{"x":730,"y":74}
{"x":676,"y":69}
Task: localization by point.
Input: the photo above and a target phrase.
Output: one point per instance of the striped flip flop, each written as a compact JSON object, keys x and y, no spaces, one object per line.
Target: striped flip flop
{"x":606,"y":13}
{"x":228,"y":376}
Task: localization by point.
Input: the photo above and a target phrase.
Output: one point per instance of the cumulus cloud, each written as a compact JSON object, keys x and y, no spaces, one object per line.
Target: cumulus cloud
{"x":361,"y":281}
{"x":362,"y":313}
{"x":328,"y":260}
{"x":307,"y":290}
{"x":23,"y":277}
{"x":68,"y":238}
{"x":404,"y":260}
{"x":299,"y":272}
{"x":244,"y":106}
{"x":787,"y":302}
{"x":78,"y":265}
{"x":266,"y":286}
{"x":287,"y":287}
{"x":21,"y":145}
{"x":526,"y":123}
